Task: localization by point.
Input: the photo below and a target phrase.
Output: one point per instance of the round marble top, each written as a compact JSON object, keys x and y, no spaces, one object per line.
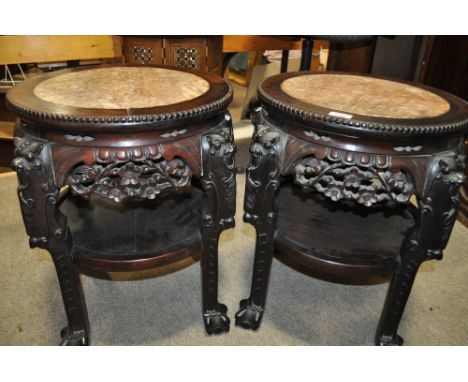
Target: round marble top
{"x":366,"y":96}
{"x":121,"y":88}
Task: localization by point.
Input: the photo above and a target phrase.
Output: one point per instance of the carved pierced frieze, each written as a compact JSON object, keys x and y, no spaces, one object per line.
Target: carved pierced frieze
{"x":350,"y":179}
{"x":118,"y":181}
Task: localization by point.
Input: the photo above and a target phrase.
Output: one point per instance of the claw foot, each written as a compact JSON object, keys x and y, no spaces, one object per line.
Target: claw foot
{"x":73,"y":339}
{"x":249,"y":316}
{"x":389,"y":341}
{"x":217,"y":321}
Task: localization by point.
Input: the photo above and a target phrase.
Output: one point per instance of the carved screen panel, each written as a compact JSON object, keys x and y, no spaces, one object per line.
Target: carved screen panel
{"x":147,"y":51}
{"x":366,"y":180}
{"x":186,"y":53}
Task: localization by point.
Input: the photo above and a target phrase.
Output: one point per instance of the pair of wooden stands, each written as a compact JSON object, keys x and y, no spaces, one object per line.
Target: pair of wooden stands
{"x":127,"y":167}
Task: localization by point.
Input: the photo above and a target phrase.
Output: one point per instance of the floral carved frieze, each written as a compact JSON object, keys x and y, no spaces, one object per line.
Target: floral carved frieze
{"x":349,"y":176}
{"x":118,"y":181}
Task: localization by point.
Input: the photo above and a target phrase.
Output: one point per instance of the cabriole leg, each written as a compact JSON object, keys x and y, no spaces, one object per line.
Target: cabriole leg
{"x":261,"y":187}
{"x":47,"y":228}
{"x":219,"y":183}
{"x":438,"y":207}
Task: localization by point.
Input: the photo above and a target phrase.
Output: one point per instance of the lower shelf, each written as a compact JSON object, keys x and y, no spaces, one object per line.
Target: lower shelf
{"x":339,"y":238}
{"x":134,"y":235}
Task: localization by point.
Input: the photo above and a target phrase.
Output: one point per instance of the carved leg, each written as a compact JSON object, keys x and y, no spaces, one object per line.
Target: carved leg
{"x":47,"y":229}
{"x":261,"y":186}
{"x":437,"y":213}
{"x":400,"y":287}
{"x":219,"y":183}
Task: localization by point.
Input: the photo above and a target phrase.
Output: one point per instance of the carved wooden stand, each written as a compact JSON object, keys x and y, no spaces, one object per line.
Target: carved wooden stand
{"x":84,"y":167}
{"x":332,"y":194}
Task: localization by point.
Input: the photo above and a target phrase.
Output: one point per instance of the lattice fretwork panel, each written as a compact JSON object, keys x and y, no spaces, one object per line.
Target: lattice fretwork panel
{"x":187,"y":57}
{"x":142,"y":55}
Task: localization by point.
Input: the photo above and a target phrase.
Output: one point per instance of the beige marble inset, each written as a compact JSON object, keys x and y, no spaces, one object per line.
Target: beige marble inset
{"x":365,"y":96}
{"x":121,"y":88}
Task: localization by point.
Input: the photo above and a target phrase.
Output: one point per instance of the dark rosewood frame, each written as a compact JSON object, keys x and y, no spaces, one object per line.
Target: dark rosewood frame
{"x":421,"y":157}
{"x":59,"y":147}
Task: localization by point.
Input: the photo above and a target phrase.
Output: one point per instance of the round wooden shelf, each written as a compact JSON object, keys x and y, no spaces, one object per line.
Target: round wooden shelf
{"x":339,"y":238}
{"x":134,"y":234}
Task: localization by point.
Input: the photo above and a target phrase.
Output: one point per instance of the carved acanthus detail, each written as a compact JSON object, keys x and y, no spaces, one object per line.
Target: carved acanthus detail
{"x":119,"y":181}
{"x":365,"y":185}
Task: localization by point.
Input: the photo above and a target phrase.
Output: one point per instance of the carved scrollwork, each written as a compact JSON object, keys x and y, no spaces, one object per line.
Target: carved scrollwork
{"x":118,"y":181}
{"x":219,"y":174}
{"x":262,"y":184}
{"x":427,"y":239}
{"x":26,"y":151}
{"x":46,"y":226}
{"x":264,"y":171}
{"x":440,"y":201}
{"x":36,"y":191}
{"x":365,"y":185}
{"x":219,"y":205}
{"x":264,"y":142}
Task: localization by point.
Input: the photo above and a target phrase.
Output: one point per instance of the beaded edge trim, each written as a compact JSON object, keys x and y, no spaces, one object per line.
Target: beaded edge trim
{"x":371,"y":126}
{"x":151,"y":118}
